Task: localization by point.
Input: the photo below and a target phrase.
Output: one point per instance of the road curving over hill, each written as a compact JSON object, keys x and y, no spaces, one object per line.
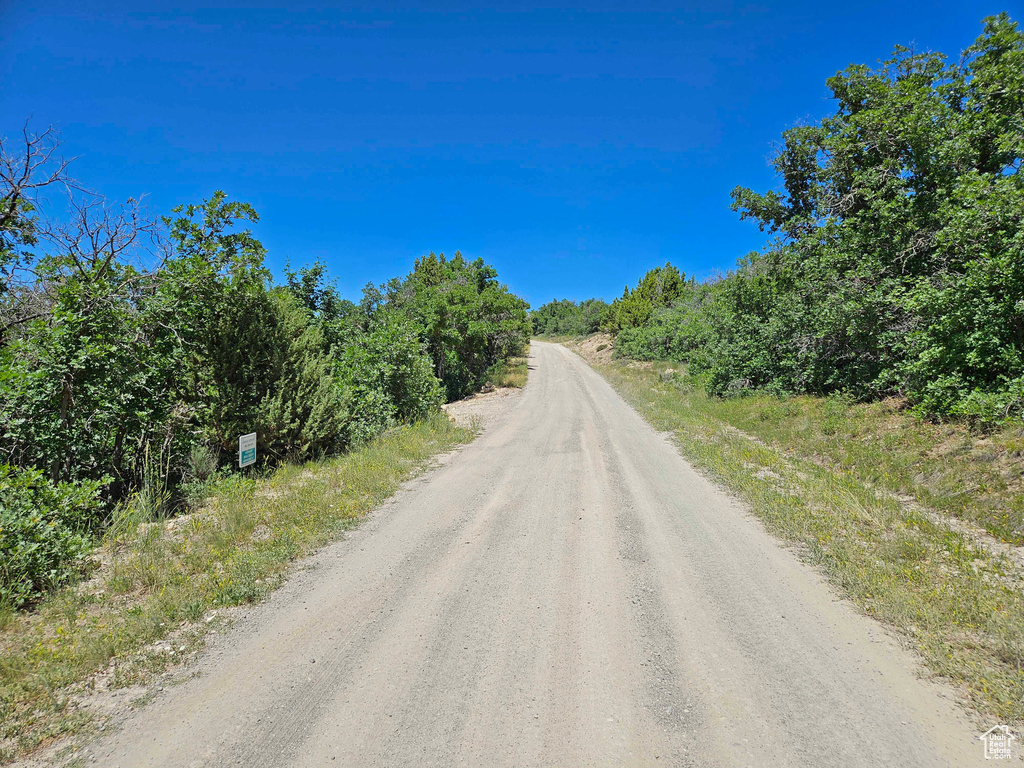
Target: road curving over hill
{"x":565,"y":591}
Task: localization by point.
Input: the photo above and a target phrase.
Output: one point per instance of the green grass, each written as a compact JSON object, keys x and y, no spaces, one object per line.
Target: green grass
{"x":508,"y":373}
{"x":164,"y":577}
{"x":563,"y":338}
{"x":825,"y":474}
{"x":945,"y":467}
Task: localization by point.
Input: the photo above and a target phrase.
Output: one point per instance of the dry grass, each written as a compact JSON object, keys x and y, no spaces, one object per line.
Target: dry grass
{"x":944,"y":467}
{"x":561,"y":338}
{"x":159,"y":578}
{"x":828,"y":475}
{"x":508,"y":373}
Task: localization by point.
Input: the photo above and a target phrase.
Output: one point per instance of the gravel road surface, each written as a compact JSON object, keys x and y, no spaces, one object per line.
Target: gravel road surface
{"x":565,"y":591}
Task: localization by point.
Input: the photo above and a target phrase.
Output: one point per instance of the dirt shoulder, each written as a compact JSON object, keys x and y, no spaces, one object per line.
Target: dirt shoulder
{"x":484,"y":409}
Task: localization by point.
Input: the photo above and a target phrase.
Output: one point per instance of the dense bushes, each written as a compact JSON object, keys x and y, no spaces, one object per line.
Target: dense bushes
{"x":672,"y":333}
{"x":466,"y":318}
{"x":116,"y":379}
{"x":388,"y":377}
{"x":567,"y":318}
{"x":45,"y":531}
{"x":897,"y":266}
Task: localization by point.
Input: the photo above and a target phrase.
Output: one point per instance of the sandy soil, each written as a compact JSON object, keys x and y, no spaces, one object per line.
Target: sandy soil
{"x":485,"y":409}
{"x":597,"y":348}
{"x":565,"y":591}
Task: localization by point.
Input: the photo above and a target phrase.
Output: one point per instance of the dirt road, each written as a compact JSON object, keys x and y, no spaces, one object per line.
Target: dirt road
{"x":565,"y":591}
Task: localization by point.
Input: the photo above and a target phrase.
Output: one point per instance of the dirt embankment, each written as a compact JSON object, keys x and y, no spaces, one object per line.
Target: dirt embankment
{"x":596,"y":349}
{"x":485,"y":408}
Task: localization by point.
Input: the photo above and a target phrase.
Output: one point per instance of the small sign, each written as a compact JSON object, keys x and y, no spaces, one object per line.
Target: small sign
{"x":247,"y":450}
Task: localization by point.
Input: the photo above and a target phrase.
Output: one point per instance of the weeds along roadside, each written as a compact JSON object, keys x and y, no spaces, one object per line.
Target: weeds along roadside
{"x":508,"y":373}
{"x":160,"y":577}
{"x":960,"y":605}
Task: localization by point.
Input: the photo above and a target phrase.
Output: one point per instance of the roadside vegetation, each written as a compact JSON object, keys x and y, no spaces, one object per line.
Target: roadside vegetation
{"x":566,"y":319}
{"x":508,"y":373}
{"x":135,"y":351}
{"x":883,"y":326}
{"x":167,"y":575}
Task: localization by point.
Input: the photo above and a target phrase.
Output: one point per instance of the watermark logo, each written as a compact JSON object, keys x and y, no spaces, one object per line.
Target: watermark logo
{"x":997,"y":742}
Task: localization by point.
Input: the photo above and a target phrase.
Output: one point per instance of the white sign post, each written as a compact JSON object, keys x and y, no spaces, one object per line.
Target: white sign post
{"x":247,"y":450}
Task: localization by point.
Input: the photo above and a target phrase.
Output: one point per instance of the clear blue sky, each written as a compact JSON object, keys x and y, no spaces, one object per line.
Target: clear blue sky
{"x":573,"y":148}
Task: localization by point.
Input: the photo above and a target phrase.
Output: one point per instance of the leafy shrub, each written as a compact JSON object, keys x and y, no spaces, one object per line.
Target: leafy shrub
{"x":372,"y":412}
{"x":389,"y":378}
{"x":303,"y":414}
{"x":672,"y":333}
{"x":465,"y":318}
{"x":567,"y":318}
{"x":45,"y":532}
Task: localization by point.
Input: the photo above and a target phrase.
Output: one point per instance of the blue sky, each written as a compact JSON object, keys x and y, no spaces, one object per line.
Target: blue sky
{"x":571,"y":147}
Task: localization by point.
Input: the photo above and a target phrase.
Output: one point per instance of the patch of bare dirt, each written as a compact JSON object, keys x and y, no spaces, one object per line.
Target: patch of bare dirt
{"x":481,"y":410}
{"x":596,"y":349}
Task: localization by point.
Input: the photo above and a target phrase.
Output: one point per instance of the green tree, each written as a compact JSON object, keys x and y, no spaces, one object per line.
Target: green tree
{"x":897,"y":264}
{"x":564,"y":317}
{"x":304,"y":413}
{"x":389,"y":376}
{"x":214,"y":294}
{"x":661,"y":287}
{"x":467,"y":320}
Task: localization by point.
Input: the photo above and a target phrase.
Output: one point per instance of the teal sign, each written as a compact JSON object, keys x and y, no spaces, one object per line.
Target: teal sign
{"x":247,"y":450}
